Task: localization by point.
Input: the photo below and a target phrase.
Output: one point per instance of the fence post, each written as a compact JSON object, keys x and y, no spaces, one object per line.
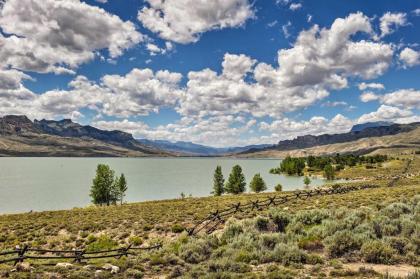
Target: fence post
{"x":21,"y":254}
{"x":78,"y":256}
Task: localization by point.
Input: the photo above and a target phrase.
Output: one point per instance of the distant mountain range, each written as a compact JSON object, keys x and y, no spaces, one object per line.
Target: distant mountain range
{"x":368,"y":130}
{"x":197,"y":149}
{"x":19,"y":136}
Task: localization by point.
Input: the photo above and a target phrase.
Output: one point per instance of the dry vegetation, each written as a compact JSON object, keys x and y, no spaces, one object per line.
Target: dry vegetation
{"x":360,"y":234}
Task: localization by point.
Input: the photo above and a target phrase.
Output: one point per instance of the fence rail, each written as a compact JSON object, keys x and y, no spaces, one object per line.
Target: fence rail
{"x":210,"y":223}
{"x":78,"y":256}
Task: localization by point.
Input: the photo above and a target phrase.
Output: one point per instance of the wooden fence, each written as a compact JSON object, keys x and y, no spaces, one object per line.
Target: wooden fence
{"x":214,"y":219}
{"x":19,"y":254}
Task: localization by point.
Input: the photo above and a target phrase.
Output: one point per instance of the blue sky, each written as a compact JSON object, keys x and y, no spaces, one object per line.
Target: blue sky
{"x":221,"y":73}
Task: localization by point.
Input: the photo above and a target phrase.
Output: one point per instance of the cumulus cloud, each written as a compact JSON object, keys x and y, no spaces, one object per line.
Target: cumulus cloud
{"x":183,"y":21}
{"x":373,"y":85}
{"x":287,"y":128}
{"x":407,"y":98}
{"x":58,"y":36}
{"x":139,"y":92}
{"x":389,"y":113}
{"x":320,"y":60}
{"x":389,"y":20}
{"x":368,"y":97}
{"x":409,"y":57}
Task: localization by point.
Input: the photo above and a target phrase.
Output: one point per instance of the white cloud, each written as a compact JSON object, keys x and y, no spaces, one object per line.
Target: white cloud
{"x":320,"y":60}
{"x":368,"y":97}
{"x":406,"y":98}
{"x":295,"y":6}
{"x":389,"y":113}
{"x":409,"y":57}
{"x":389,"y":20}
{"x":317,"y":125}
{"x":416,"y":12}
{"x":285,"y":29}
{"x":364,"y":86}
{"x":45,"y":37}
{"x":334,"y":104}
{"x":183,"y":21}
{"x":139,"y":92}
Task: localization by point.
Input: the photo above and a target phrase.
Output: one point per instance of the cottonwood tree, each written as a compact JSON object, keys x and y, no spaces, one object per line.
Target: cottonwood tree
{"x":329,"y":172}
{"x":121,"y":187}
{"x":101,"y":190}
{"x":106,"y":188}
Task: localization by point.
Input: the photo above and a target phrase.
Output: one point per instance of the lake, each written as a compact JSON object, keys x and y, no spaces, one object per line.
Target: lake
{"x":63,"y":183}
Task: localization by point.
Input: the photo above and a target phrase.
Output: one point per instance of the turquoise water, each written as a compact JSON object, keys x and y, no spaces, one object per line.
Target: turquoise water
{"x":63,"y":183}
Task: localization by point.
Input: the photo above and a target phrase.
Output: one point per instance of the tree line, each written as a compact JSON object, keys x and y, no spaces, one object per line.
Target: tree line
{"x":107,"y":188}
{"x":328,"y":164}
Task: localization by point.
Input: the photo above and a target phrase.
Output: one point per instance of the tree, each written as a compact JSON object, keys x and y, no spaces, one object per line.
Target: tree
{"x":236,"y":183}
{"x":218,"y":182}
{"x":257,"y":184}
{"x":278,"y":188}
{"x":121,"y":187}
{"x":329,"y":172}
{"x":307,"y":181}
{"x":102,"y":185}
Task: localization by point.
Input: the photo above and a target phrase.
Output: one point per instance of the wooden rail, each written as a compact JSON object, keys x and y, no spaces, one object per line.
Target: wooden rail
{"x":25,"y":252}
{"x":214,"y":219}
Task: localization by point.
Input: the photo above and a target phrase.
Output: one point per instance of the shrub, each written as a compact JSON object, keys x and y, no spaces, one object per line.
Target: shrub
{"x":227,"y":265}
{"x":394,"y":210}
{"x":311,"y":217}
{"x":310,"y":243}
{"x":232,"y":230}
{"x":103,"y":242}
{"x":288,"y":254}
{"x":278,"y":188}
{"x":261,"y":223}
{"x":135,"y":240}
{"x":377,"y":252}
{"x":197,"y":250}
{"x":342,"y":242}
{"x":280,"y":218}
{"x":177,"y":228}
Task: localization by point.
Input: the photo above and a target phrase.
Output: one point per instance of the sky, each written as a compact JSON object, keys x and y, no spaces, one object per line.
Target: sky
{"x":220,"y":72}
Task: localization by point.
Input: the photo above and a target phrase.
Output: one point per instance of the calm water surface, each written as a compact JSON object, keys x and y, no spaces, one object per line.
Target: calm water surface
{"x":62,"y":183}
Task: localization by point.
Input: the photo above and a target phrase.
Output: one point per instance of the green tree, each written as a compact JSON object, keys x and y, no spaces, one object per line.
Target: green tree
{"x":218,"y":182}
{"x":307,"y":181}
{"x":329,"y":172}
{"x":236,"y":183}
{"x":257,"y":184}
{"x":102,"y":185}
{"x":278,"y":188}
{"x":121,"y":187}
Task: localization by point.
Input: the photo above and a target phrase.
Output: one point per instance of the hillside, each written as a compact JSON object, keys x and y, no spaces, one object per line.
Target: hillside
{"x":19,"y":136}
{"x":397,"y":136}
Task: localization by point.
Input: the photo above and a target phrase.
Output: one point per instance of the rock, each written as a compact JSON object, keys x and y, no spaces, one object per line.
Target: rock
{"x":23,"y":267}
{"x":109,"y":267}
{"x":64,"y":265}
{"x":115,"y":270}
